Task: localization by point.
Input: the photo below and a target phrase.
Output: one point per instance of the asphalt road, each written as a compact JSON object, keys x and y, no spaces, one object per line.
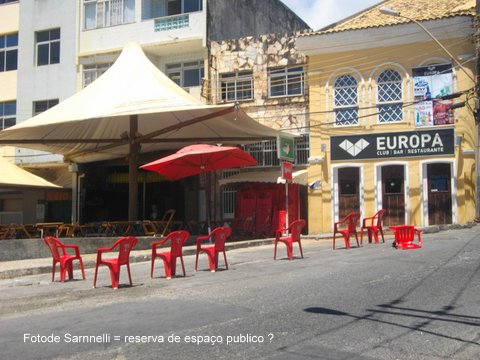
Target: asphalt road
{"x":374,"y":302}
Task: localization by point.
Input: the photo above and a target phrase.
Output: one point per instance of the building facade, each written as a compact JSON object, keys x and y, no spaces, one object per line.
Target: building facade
{"x":387,"y":130}
{"x":63,"y":47}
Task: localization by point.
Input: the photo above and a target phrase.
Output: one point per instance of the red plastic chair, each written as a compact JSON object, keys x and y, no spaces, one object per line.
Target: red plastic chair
{"x":177,"y":239}
{"x":345,"y":227}
{"x":125,"y":245}
{"x":404,"y":236}
{"x":295,"y":230}
{"x":59,"y":254}
{"x":373,"y":225}
{"x":220,"y":235}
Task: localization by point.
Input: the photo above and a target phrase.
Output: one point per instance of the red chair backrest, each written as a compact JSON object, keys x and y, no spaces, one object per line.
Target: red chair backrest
{"x":54,"y":244}
{"x":221,"y":235}
{"x":296,"y":229}
{"x":352,"y":221}
{"x":378,"y":218}
{"x":404,"y":233}
{"x":125,"y":245}
{"x":177,"y":239}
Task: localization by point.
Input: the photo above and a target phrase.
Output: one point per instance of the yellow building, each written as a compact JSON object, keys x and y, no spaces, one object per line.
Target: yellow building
{"x":383,"y":129}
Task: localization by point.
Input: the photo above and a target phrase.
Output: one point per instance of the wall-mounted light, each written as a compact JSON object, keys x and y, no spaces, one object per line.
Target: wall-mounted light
{"x":316,"y":159}
{"x":315,"y":185}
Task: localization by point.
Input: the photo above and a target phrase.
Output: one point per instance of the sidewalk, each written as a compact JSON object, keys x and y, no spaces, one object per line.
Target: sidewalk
{"x":18,"y":268}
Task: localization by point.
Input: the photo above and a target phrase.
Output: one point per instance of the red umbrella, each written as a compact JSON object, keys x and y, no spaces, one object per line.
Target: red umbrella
{"x":199,"y":159}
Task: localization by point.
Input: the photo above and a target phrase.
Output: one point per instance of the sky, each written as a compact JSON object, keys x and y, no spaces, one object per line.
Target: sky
{"x":320,"y":13}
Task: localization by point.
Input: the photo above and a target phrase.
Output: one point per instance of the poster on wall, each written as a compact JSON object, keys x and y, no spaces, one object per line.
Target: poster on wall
{"x":430,"y":84}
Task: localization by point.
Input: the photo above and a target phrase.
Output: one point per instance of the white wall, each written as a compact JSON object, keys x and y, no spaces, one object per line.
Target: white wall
{"x":56,"y":81}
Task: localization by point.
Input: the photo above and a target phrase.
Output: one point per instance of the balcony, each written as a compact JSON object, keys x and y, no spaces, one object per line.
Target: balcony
{"x":171,"y":22}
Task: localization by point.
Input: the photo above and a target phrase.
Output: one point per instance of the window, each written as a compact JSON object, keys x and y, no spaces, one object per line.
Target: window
{"x":286,"y":81}
{"x":159,"y":8}
{"x":229,"y":195}
{"x":389,"y":97}
{"x":98,"y":14}
{"x":236,"y":86}
{"x":7,"y":1}
{"x":186,"y":74}
{"x":43,"y":105}
{"x":48,"y":47}
{"x":8,"y":52}
{"x":8,"y":113}
{"x":346,"y":101}
{"x":92,"y":72}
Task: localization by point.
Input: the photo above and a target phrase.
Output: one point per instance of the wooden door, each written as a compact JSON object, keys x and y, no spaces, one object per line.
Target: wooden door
{"x":348,"y":191}
{"x":393,"y":194}
{"x":439,"y":194}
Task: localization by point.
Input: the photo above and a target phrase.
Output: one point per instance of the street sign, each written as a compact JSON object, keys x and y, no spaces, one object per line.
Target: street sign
{"x":287,"y":170}
{"x":286,"y":148}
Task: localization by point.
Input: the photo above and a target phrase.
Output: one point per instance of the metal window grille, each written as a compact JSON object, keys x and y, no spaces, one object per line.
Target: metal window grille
{"x":389,"y":97}
{"x":236,"y":86}
{"x":286,"y":81}
{"x":265,"y":152}
{"x":346,"y":101}
{"x":229,"y":196}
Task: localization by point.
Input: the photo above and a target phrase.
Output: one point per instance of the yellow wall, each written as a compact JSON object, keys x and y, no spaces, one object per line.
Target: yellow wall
{"x":366,"y":65}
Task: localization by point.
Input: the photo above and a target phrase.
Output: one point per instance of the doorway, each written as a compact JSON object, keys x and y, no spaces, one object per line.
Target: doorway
{"x":393,"y":194}
{"x":439,"y":193}
{"x":348,"y":191}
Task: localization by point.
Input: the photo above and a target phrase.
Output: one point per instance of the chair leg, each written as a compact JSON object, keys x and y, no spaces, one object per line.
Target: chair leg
{"x":334,"y":237}
{"x":275,"y":252}
{"x":289,"y":251}
{"x":152,"y":266}
{"x":95,"y":277}
{"x":114,"y":276}
{"x":212,"y":261}
{"x":54,"y":265}
{"x":129,"y":274}
{"x":70,"y":270}
{"x":300,"y":246}
{"x":225,"y":258}
{"x":346,"y":237}
{"x":196,"y":262}
{"x":83,"y":268}
{"x":168,"y":265}
{"x":183,"y":265}
{"x":381,"y":232}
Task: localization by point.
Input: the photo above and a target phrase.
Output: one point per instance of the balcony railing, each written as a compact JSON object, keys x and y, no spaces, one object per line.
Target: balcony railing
{"x":171,"y":22}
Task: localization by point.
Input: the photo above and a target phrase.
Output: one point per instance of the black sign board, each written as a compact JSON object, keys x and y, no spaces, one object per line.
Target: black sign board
{"x":393,"y":145}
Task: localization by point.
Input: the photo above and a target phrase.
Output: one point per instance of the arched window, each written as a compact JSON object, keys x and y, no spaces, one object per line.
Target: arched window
{"x":389,"y":97}
{"x":346,"y":101}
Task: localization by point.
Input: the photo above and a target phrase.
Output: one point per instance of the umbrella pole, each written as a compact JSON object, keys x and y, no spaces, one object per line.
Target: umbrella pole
{"x":132,"y":170}
{"x":207,"y":194}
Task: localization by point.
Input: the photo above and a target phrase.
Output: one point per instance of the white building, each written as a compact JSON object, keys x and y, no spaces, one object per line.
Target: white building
{"x":65,"y":45}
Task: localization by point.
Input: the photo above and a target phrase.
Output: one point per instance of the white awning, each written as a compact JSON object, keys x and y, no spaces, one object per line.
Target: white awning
{"x":12,"y":176}
{"x":298,"y":177}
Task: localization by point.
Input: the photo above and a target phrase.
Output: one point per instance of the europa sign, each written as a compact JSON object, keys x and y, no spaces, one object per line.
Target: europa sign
{"x":391,"y":145}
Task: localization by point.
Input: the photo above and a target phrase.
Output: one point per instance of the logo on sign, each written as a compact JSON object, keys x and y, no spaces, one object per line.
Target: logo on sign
{"x":354,"y":149}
